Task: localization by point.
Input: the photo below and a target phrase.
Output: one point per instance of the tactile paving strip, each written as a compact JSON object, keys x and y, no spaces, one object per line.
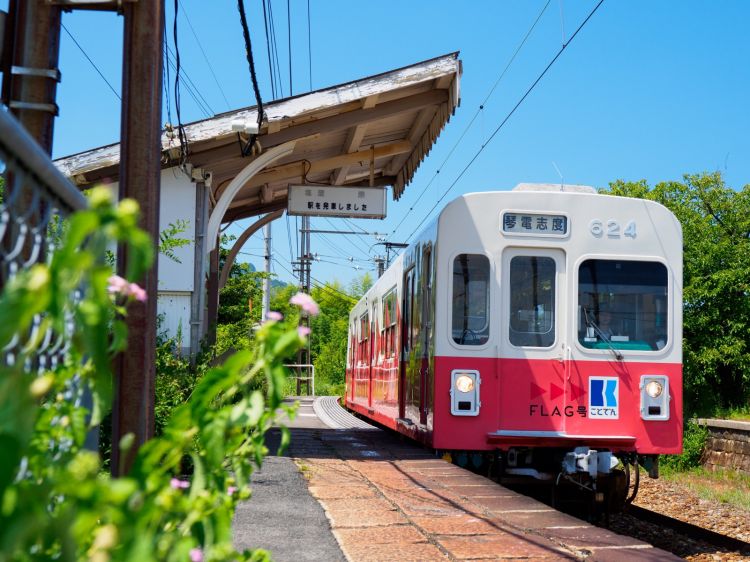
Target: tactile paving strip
{"x":329,"y":411}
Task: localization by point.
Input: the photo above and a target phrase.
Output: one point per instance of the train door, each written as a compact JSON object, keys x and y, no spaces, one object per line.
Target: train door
{"x":533,"y":362}
{"x":407,"y":333}
{"x":427,"y":320}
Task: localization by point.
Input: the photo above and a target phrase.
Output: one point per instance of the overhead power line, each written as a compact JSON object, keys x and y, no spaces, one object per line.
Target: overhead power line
{"x":88,"y":58}
{"x":189,"y":85}
{"x":476,"y":114}
{"x":309,"y":45}
{"x":507,"y":117}
{"x":205,"y":56}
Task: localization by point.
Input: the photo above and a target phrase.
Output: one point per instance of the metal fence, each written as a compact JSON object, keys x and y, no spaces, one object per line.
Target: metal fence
{"x":35,"y":198}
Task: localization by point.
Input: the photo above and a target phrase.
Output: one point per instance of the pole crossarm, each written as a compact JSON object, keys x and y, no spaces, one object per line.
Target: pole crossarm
{"x":252,"y":229}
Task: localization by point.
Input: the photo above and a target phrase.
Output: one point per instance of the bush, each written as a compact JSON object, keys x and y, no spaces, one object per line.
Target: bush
{"x":693,"y":445}
{"x":55,"y":503}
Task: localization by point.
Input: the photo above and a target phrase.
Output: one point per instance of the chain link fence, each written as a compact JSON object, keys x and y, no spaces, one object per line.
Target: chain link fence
{"x":35,"y":199}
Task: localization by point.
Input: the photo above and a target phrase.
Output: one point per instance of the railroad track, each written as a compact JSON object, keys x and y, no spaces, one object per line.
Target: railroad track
{"x":688,"y":529}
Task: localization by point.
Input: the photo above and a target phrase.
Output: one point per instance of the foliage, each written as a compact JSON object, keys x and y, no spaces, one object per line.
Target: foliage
{"x":169,"y":240}
{"x":330,"y":328}
{"x":693,"y":443}
{"x":54,"y":503}
{"x":716,"y":232}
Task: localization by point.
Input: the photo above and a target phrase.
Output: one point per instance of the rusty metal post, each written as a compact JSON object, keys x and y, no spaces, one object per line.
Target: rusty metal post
{"x":30,"y":88}
{"x":140,"y":174}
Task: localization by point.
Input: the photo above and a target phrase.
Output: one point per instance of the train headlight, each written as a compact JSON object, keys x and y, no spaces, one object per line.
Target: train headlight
{"x":654,"y":397}
{"x":654,"y":389}
{"x":464,"y":383}
{"x":465,"y":392}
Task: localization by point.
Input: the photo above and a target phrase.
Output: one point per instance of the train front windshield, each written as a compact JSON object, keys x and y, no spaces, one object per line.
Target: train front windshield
{"x":623,"y":305}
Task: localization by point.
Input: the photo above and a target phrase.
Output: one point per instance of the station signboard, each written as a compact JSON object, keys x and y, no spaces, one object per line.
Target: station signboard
{"x":334,"y":201}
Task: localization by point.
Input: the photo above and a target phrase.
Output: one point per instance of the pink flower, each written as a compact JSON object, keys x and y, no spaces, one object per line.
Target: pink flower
{"x":274,"y":316}
{"x":177,"y":483}
{"x":303,"y":331}
{"x":231,"y":490}
{"x":196,"y":555}
{"x":117,"y":285}
{"x":138,"y":292}
{"x":306,"y":303}
{"x":120,"y":286}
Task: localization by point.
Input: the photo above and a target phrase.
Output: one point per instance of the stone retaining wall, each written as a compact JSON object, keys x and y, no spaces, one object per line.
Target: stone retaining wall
{"x":728,"y":445}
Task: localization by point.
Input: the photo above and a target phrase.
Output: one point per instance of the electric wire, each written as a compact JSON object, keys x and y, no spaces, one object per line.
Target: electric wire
{"x":93,"y":64}
{"x":319,"y":284}
{"x":289,"y":37}
{"x":476,"y":114}
{"x":309,"y":46}
{"x":507,"y":117}
{"x":177,"y":102}
{"x":268,"y":53}
{"x":205,"y":56}
{"x":190,"y":86}
{"x":289,"y":236}
{"x":351,"y":241}
{"x":274,"y":43}
{"x":250,"y":61}
{"x":166,"y":79}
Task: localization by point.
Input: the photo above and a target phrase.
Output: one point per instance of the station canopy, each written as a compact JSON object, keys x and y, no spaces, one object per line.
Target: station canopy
{"x":376,"y":129}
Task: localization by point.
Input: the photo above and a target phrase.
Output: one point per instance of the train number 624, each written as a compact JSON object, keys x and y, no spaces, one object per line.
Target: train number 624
{"x":612,"y":228}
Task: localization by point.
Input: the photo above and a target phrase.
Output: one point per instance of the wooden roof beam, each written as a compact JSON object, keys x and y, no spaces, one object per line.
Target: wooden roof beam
{"x":327,"y":125}
{"x":301,"y":168}
{"x":415,"y":133}
{"x":353,"y":141}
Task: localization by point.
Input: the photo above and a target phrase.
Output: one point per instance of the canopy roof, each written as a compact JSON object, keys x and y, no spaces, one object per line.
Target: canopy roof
{"x":390,"y":120}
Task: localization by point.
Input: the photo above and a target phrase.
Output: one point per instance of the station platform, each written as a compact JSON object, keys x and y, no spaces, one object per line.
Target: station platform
{"x":355,"y":492}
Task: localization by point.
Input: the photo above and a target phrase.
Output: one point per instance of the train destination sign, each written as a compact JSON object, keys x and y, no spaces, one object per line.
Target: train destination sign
{"x":535,"y":224}
{"x":329,"y":201}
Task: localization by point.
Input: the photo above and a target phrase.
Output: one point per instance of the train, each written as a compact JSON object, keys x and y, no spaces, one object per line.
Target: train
{"x":536,"y":330}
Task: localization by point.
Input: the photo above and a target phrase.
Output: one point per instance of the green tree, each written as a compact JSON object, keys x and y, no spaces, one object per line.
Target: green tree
{"x":716,"y":238}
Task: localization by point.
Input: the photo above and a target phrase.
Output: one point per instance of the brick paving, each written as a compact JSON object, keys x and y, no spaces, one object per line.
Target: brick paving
{"x":387,"y":499}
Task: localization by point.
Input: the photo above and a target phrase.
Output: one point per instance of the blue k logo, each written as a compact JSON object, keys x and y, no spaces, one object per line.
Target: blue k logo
{"x":603,"y":397}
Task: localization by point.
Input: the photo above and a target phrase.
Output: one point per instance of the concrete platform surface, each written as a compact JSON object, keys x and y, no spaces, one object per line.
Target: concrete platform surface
{"x":383,"y":498}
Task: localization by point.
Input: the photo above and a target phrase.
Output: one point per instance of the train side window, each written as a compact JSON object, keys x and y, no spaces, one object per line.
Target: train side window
{"x":364,"y":336}
{"x":623,"y":305}
{"x":389,"y":322}
{"x":532,"y":301}
{"x":471,"y":298}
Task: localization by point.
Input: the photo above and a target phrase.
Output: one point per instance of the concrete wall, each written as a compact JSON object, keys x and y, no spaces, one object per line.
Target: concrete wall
{"x":176,"y":280}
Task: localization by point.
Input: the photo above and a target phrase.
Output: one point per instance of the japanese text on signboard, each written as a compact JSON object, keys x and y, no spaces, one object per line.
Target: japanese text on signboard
{"x":529,"y":223}
{"x":360,"y":202}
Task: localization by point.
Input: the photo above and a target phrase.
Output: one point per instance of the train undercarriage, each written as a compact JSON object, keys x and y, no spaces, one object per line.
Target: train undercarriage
{"x":583,"y":480}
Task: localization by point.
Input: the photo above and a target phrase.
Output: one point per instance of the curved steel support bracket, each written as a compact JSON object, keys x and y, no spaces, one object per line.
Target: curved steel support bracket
{"x":252,"y":229}
{"x":239,"y":181}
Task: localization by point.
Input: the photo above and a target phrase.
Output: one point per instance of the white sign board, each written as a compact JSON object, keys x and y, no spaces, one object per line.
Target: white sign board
{"x":329,"y":201}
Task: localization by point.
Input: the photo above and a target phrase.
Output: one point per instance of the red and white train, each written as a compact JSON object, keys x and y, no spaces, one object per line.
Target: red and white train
{"x":542,"y":325}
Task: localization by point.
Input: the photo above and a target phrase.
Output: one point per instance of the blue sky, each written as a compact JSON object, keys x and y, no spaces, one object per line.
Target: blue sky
{"x":646,"y":90}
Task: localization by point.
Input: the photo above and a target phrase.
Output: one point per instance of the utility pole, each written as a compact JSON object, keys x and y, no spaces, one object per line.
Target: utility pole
{"x":30,"y":77}
{"x":30,"y":82}
{"x":267,"y":279}
{"x":140,"y":179}
{"x":305,"y":258}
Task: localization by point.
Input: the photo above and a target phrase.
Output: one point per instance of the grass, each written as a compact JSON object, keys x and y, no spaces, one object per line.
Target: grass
{"x":724,"y":486}
{"x":740,"y":414}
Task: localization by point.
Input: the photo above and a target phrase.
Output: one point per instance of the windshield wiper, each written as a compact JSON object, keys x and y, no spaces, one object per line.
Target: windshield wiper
{"x":602,"y":335}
